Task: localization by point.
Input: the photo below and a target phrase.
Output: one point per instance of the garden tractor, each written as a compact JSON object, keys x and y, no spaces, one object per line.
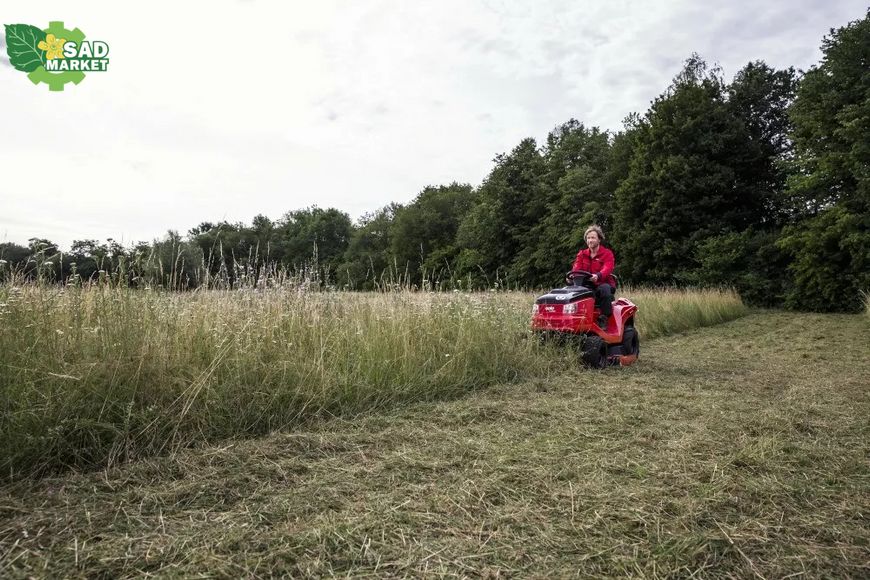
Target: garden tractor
{"x":568,"y":316}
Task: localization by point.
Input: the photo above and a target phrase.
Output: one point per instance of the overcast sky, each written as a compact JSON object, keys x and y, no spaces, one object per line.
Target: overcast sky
{"x":227,"y":109}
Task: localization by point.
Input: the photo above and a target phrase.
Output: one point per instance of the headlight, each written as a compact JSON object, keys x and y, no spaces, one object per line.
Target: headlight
{"x":569,"y":309}
{"x":534,"y":309}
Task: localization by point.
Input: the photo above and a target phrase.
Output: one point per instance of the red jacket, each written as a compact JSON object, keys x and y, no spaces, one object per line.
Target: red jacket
{"x":602,"y":264}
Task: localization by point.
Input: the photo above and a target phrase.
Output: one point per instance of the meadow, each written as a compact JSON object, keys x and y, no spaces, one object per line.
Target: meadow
{"x":97,"y":375}
{"x":726,"y":452}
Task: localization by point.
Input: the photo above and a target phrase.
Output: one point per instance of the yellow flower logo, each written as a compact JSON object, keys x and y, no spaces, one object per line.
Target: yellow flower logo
{"x":52,"y":46}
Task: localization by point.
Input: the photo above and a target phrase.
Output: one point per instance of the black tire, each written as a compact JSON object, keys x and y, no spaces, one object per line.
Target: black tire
{"x":630,"y":341}
{"x":594,"y":352}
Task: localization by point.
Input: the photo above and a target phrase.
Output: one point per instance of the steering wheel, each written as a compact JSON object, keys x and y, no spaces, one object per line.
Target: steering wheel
{"x":578,"y":277}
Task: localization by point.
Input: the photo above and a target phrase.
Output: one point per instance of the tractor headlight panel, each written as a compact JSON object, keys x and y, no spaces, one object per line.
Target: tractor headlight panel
{"x":569,"y":309}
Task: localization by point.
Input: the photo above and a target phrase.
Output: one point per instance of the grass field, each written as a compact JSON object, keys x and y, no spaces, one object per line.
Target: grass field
{"x":96,"y":376}
{"x":735,"y":451}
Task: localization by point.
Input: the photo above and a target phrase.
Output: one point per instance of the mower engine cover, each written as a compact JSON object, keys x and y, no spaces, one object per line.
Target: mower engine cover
{"x":565,"y":295}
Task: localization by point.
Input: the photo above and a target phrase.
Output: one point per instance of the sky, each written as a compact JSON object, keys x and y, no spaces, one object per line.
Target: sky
{"x":223,"y":110}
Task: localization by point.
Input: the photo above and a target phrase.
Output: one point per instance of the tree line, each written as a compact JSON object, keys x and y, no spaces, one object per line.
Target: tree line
{"x":761,"y":183}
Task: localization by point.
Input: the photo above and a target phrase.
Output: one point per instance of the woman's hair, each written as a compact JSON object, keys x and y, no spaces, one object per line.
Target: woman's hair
{"x":594,"y":228}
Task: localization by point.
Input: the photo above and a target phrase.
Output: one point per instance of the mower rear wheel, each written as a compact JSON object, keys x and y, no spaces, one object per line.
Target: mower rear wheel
{"x":594,"y":352}
{"x":630,"y":341}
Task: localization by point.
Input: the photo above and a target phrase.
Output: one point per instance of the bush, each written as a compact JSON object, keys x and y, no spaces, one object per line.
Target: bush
{"x":748,"y":261}
{"x":830,"y":263}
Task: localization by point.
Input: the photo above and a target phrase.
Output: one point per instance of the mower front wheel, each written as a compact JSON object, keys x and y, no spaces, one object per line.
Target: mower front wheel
{"x":594,"y":352}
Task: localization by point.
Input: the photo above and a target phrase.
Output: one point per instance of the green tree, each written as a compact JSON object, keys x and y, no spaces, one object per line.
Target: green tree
{"x":749,"y":261}
{"x":423,"y":234}
{"x":830,"y":260}
{"x":685,"y":182}
{"x":170,"y":262}
{"x":831,"y":117}
{"x":760,"y":97}
{"x":14,"y":258}
{"x":511,"y":201}
{"x":368,"y":261}
{"x":831,"y":183}
{"x":580,"y":189}
{"x":260,"y":237}
{"x":222,"y":249}
{"x":90,"y":256}
{"x":314,"y":238}
{"x":45,"y":261}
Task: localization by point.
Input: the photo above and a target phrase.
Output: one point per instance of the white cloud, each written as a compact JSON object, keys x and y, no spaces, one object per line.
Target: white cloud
{"x":223,"y":110}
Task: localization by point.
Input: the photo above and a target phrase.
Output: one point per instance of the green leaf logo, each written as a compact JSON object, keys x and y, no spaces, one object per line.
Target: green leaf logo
{"x":22,"y":47}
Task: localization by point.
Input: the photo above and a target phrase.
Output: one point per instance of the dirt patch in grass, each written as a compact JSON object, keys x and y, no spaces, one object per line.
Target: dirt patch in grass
{"x":717,"y":455}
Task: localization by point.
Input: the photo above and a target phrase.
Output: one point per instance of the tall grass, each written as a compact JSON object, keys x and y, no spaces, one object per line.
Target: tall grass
{"x":669,"y":310}
{"x":95,"y":375}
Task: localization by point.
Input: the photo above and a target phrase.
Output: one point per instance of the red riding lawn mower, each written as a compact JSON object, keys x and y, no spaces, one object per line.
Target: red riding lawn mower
{"x":567,"y":316}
